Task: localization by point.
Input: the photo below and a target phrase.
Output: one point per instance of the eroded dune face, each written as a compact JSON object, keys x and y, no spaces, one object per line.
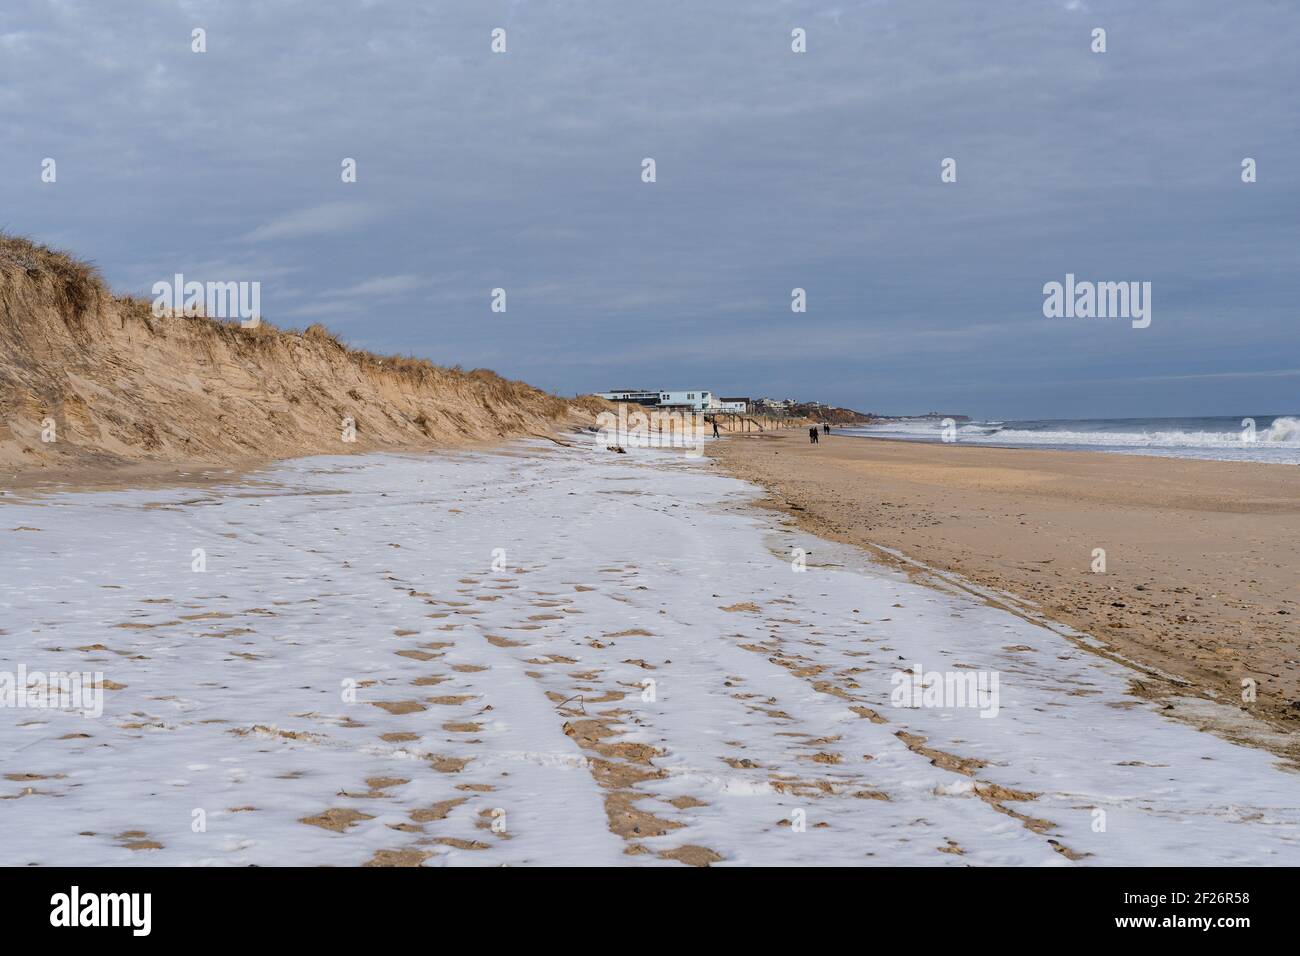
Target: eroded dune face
{"x":89,"y":378}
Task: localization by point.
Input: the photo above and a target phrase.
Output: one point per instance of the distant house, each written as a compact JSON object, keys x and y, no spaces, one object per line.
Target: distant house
{"x":635,"y":396}
{"x":739,"y":406}
{"x":697,"y":399}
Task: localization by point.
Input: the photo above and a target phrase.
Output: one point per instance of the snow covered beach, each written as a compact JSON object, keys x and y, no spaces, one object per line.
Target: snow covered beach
{"x":564,"y":656}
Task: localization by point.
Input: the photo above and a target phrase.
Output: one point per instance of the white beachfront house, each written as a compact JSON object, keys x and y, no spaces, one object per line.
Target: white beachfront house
{"x":636,"y":396}
{"x":697,"y":399}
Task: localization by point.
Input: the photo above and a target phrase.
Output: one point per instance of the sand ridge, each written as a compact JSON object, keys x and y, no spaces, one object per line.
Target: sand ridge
{"x":94,"y":385}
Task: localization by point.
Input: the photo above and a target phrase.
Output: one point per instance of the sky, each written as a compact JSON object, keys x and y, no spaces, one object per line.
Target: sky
{"x":774,"y":170}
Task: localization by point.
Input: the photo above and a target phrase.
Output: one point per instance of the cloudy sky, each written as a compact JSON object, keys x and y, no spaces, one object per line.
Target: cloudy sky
{"x":775,"y":170}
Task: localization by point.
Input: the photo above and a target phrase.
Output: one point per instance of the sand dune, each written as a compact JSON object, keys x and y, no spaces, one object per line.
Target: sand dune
{"x":121,"y":385}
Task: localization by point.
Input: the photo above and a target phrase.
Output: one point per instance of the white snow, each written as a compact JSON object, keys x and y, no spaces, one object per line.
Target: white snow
{"x":315,"y":567}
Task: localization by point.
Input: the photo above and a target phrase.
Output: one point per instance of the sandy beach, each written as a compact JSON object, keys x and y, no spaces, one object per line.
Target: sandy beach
{"x":554,"y":654}
{"x":1201,"y":556}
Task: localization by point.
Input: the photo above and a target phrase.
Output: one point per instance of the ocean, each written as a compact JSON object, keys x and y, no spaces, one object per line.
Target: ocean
{"x":1266,"y":438}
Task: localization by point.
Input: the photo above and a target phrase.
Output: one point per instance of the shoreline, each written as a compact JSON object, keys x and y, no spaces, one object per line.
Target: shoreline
{"x":1136,"y":451}
{"x":1270,"y":438}
{"x":1200,"y":554}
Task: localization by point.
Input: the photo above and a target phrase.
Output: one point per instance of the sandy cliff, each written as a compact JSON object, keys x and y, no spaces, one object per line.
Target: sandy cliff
{"x":123,"y":386}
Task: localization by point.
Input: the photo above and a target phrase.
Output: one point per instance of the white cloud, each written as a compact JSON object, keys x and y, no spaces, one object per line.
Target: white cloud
{"x":315,"y":220}
{"x":385,"y":286}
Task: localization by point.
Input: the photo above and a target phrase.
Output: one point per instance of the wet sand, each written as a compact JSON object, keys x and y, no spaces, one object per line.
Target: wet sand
{"x":1201,"y":556}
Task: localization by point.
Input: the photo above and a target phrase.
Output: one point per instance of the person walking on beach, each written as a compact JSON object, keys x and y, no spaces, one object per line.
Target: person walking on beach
{"x":715,"y":426}
{"x":826,"y":427}
{"x":812,"y":435}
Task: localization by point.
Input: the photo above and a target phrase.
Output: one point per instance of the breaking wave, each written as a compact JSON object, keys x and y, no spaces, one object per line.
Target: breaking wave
{"x":1258,"y":438}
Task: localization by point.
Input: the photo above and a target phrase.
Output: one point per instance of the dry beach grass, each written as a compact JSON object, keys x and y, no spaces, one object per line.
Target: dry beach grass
{"x":134,"y":393}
